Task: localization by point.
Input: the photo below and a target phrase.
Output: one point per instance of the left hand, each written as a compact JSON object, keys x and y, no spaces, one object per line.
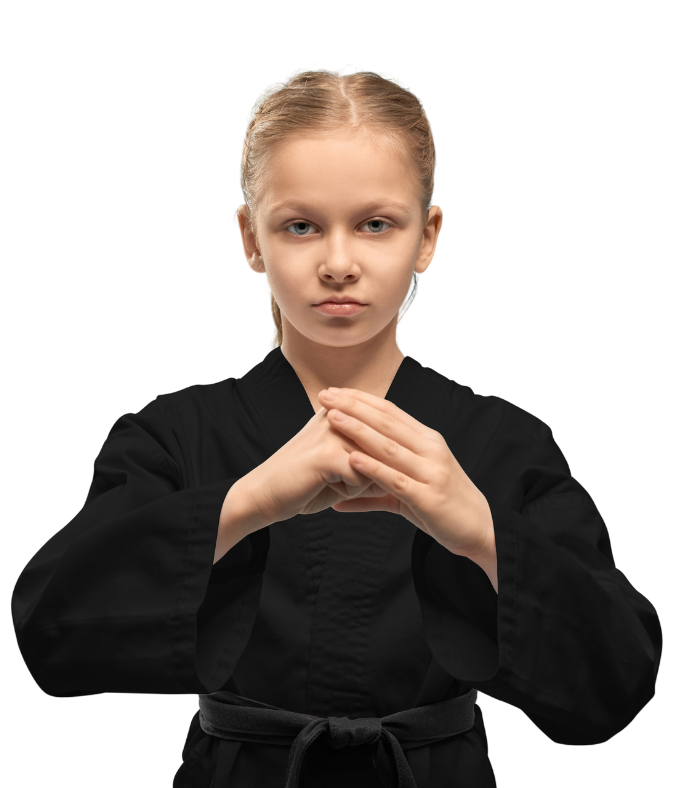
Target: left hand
{"x":425,"y":482}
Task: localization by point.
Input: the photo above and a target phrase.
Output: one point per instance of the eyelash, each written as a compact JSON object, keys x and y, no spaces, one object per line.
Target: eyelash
{"x":305,"y":235}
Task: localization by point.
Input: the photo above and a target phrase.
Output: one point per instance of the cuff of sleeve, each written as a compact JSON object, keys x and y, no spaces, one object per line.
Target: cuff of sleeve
{"x":467,"y":624}
{"x":226,"y":614}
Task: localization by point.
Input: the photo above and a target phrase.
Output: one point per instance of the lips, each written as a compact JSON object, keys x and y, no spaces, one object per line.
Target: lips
{"x":338,"y":301}
{"x":345,"y":309}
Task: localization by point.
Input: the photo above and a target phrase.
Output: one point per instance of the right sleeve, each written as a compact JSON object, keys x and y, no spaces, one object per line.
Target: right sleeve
{"x":125,"y":597}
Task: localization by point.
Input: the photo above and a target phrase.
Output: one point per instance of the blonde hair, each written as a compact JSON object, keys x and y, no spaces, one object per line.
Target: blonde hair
{"x":325,"y":101}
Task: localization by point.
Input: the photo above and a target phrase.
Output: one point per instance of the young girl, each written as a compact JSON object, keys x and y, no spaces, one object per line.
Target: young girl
{"x":339,"y":549}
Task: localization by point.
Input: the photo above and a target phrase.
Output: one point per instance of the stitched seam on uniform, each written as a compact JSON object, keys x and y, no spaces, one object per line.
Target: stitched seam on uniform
{"x":185,"y":439}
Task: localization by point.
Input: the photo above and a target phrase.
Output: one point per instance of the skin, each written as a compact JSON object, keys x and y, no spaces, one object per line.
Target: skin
{"x":333,"y":179}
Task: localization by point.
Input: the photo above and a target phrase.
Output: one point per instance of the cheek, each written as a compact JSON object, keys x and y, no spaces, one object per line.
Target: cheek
{"x":288,"y":282}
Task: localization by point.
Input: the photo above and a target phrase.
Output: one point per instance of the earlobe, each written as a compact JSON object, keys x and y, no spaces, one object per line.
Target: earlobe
{"x":255,"y":263}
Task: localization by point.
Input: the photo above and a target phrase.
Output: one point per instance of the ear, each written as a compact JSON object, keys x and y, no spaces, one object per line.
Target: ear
{"x":252,"y":253}
{"x":430,"y":233}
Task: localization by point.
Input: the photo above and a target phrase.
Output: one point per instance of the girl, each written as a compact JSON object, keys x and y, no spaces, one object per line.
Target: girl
{"x":339,"y":549}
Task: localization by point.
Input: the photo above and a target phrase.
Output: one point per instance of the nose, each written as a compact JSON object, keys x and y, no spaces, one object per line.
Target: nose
{"x":339,"y":263}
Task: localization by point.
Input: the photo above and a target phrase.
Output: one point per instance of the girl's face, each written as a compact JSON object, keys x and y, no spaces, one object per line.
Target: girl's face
{"x":340,"y":217}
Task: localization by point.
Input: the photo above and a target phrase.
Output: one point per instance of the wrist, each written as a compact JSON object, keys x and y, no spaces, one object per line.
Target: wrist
{"x":486,"y":559}
{"x":239,"y":517}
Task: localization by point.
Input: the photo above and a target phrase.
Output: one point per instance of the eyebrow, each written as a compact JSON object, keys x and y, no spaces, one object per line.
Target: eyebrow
{"x":301,"y":207}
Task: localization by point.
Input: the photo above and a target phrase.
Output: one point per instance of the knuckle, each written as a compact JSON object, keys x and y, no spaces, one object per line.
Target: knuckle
{"x":388,"y":423}
{"x":391,"y":448}
{"x":400,"y":481}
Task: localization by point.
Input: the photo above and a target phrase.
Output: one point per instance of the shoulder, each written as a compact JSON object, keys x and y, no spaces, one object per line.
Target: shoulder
{"x":172,"y":410}
{"x":462,"y":409}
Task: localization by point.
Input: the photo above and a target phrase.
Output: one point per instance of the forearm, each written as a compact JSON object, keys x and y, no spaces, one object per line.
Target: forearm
{"x":239,"y":517}
{"x":486,"y":557}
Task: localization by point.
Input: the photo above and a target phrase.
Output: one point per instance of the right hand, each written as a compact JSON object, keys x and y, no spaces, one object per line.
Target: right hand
{"x":309,"y":473}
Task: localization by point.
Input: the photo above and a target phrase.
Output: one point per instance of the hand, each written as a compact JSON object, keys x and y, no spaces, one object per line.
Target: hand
{"x":413,"y":464}
{"x":307,"y":474}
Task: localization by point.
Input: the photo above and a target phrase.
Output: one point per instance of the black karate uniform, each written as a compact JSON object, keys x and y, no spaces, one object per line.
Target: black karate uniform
{"x":343,"y":614}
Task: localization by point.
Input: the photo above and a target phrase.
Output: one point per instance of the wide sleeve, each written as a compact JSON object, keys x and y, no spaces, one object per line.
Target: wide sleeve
{"x":568,"y":639}
{"x":125,"y":597}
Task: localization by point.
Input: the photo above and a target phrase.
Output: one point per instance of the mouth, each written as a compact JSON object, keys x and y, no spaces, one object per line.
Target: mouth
{"x":339,"y":308}
{"x":340,"y":301}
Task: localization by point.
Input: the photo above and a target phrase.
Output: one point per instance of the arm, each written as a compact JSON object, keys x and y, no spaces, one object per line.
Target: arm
{"x":239,"y":517}
{"x":486,"y":559}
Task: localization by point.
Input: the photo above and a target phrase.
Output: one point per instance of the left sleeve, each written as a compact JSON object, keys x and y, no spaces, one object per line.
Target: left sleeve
{"x":568,"y":639}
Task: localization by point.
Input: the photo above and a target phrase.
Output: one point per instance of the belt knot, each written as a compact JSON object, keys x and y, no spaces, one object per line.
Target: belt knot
{"x":344,"y":732}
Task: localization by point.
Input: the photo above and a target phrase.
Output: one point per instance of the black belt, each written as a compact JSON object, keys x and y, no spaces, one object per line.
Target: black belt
{"x":235,"y":717}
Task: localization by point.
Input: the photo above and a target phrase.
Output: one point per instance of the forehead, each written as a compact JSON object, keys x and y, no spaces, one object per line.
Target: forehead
{"x":338,"y":167}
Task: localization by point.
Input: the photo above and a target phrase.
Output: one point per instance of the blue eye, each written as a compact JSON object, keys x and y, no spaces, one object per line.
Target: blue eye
{"x":292,"y":225}
{"x":369,"y":221}
{"x":376,"y":221}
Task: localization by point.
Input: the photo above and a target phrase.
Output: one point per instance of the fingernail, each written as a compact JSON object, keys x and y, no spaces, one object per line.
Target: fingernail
{"x":328,"y":394}
{"x":338,"y":416}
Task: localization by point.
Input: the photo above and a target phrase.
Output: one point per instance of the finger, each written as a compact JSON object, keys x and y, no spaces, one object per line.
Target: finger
{"x":351,"y":484}
{"x":371,"y":491}
{"x":399,"y":484}
{"x":343,"y":490}
{"x":380,"y":447}
{"x":363,"y":504}
{"x":348,"y":490}
{"x":382,"y":405}
{"x":345,"y":479}
{"x":381,"y":421}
